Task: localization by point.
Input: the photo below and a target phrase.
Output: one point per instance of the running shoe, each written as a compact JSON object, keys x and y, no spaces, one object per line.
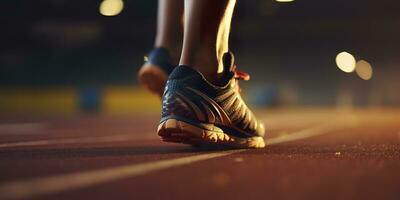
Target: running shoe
{"x":155,"y":71}
{"x":196,"y":112}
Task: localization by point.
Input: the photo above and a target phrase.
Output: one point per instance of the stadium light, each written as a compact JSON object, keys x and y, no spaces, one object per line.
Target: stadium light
{"x":346,"y":62}
{"x":284,"y":1}
{"x":364,"y":70}
{"x":111,"y":7}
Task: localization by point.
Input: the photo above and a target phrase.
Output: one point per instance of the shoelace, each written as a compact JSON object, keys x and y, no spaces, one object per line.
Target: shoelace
{"x":241,"y":75}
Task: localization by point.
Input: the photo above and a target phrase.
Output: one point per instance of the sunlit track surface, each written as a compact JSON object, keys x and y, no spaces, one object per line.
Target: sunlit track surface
{"x":313,"y":153}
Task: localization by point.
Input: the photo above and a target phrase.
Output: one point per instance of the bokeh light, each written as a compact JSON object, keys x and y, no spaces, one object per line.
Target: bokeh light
{"x":111,"y":7}
{"x":364,"y":70}
{"x":346,"y":62}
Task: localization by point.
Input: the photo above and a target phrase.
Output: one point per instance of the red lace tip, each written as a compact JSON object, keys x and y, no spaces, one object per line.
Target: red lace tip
{"x":242,"y":75}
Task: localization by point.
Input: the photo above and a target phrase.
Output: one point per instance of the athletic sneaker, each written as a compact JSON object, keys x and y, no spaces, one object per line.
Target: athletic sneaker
{"x":194,"y":111}
{"x":155,"y":71}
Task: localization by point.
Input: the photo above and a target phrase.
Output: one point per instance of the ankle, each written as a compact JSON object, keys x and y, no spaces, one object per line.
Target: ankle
{"x":205,"y":62}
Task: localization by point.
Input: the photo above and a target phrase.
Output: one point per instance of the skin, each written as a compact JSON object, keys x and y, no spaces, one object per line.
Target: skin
{"x":169,"y":27}
{"x":205,"y":33}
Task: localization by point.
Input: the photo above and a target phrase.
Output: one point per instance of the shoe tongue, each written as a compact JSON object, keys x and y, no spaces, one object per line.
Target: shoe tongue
{"x":228,"y":61}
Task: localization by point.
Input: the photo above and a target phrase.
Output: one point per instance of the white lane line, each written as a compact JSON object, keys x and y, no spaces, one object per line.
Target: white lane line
{"x":60,"y":183}
{"x":76,"y":140}
{"x":303,"y":134}
{"x":54,"y":184}
{"x":125,"y":137}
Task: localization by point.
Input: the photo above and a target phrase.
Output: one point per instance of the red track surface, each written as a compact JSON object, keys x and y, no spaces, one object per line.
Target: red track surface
{"x":357,"y":158}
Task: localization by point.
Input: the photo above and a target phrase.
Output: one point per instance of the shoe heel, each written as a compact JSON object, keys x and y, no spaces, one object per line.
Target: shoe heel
{"x":153,"y":78}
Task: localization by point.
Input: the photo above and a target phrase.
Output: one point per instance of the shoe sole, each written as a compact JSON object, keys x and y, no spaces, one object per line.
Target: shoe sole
{"x":153,"y":78}
{"x":173,"y":130}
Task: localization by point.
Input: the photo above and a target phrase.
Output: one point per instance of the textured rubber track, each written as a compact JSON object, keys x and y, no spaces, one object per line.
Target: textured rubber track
{"x":173,"y":130}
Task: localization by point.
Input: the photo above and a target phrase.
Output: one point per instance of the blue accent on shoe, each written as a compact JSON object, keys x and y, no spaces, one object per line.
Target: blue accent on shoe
{"x":162,"y":58}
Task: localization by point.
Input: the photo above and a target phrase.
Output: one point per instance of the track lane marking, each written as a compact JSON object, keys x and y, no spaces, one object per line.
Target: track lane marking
{"x":84,"y":139}
{"x":303,"y":134}
{"x":76,"y":140}
{"x":60,"y":183}
{"x":97,"y":139}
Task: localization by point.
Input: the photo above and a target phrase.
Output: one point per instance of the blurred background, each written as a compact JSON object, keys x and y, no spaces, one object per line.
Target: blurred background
{"x":68,"y":57}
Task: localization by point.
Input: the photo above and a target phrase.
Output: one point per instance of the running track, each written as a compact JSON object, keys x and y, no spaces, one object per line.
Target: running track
{"x":312,"y":154}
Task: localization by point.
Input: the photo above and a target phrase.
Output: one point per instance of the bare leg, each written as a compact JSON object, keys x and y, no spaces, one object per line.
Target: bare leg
{"x":206,"y":34}
{"x":169,"y":26}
